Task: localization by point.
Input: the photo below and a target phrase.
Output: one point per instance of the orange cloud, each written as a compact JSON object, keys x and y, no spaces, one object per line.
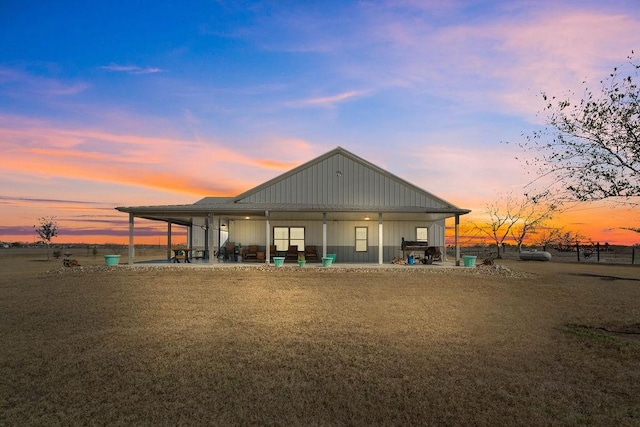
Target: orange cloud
{"x":172,"y":165}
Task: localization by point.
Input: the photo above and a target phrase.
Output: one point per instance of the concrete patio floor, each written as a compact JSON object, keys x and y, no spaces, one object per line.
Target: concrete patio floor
{"x":227,"y":264}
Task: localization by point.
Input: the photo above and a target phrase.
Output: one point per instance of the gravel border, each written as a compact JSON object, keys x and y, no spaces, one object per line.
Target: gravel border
{"x":480,"y":270}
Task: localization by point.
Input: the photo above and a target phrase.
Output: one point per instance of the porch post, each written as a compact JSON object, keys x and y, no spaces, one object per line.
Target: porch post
{"x":131,"y":247}
{"x":324,"y":235}
{"x":457,"y":229}
{"x":380,"y":241}
{"x":169,"y":240}
{"x":267,"y":228}
{"x":210,"y":218}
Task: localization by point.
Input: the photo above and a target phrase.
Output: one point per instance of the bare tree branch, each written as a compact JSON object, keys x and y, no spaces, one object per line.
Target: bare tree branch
{"x":592,"y":147}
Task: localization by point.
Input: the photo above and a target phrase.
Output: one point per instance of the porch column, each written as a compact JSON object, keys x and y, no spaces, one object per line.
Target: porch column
{"x":457,"y":229}
{"x":380,"y":241}
{"x":324,"y":235}
{"x":169,"y":241}
{"x":131,"y":247}
{"x":267,"y":229}
{"x":210,"y":242}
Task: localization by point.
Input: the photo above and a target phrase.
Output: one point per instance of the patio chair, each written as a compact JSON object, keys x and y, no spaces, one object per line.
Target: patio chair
{"x":272,"y":251}
{"x":251,"y":254}
{"x":311,"y":253}
{"x":230,"y":251}
{"x":292,"y":253}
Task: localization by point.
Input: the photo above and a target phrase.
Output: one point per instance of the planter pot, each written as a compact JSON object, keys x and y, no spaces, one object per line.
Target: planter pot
{"x":333,"y":258}
{"x":326,"y":261}
{"x":469,"y":260}
{"x":112,"y":259}
{"x":302,"y":263}
{"x":278,"y":261}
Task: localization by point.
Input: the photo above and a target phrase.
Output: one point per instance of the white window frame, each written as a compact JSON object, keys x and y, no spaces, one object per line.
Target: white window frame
{"x":362,"y":239}
{"x":422,"y":234}
{"x":282,"y":237}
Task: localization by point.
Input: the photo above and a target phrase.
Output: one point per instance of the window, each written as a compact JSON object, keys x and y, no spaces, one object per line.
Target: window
{"x":361,"y":239}
{"x":296,"y":237}
{"x":422,"y":234}
{"x":283,"y":237}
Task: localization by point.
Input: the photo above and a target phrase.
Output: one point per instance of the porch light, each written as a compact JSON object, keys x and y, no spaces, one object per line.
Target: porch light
{"x":366,"y":218}
{"x":246,"y":217}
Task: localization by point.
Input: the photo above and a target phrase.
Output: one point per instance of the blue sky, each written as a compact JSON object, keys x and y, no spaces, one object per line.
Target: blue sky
{"x":135,"y":102}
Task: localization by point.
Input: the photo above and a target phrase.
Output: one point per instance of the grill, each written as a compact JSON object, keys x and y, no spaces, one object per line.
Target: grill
{"x":430,"y":252}
{"x":408,"y":245}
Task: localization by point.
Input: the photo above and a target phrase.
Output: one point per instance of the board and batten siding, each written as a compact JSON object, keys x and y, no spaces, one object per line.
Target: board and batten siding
{"x":341,"y":236}
{"x":339,"y":233}
{"x":339,"y":180}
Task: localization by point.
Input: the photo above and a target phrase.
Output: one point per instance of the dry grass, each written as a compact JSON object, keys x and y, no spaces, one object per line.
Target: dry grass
{"x":290,"y":347}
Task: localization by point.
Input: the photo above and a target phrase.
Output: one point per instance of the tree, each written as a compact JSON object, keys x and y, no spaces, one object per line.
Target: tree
{"x":637,"y":230}
{"x":545,"y":236}
{"x":592,"y":147}
{"x":516,"y":217}
{"x":533,"y":212}
{"x":47,"y":230}
{"x":567,"y":240}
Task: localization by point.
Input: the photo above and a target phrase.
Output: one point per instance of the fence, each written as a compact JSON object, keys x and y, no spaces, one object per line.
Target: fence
{"x":592,"y":253}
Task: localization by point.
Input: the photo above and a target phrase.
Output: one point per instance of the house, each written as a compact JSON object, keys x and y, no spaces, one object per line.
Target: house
{"x":338,"y":202}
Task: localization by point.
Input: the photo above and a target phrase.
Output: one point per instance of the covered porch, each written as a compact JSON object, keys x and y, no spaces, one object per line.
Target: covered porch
{"x":357,"y":235}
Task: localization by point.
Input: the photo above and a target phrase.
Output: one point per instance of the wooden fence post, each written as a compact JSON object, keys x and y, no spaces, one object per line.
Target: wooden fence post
{"x":598,"y":250}
{"x":578,"y":250}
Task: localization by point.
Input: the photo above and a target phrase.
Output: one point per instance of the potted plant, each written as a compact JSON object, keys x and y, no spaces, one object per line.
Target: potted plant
{"x":113,"y":258}
{"x":301,"y":260}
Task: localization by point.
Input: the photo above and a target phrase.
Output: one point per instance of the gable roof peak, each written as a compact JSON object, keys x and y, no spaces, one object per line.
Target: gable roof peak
{"x":313,"y":181}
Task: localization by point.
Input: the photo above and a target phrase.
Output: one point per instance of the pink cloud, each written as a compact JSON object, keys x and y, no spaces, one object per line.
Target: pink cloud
{"x":40,"y":85}
{"x":328,"y":101}
{"x":131,"y":69}
{"x":509,"y":59}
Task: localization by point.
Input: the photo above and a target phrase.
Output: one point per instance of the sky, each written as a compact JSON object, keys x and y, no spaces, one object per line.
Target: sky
{"x":129,"y":103}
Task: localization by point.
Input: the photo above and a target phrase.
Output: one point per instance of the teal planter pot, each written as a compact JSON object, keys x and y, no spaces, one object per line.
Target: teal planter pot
{"x":469,"y":260}
{"x":333,"y":257}
{"x":112,"y":259}
{"x":327,"y":261}
{"x":278,"y":261}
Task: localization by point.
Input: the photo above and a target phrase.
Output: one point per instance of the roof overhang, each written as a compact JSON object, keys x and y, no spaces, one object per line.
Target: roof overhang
{"x":184,"y":214}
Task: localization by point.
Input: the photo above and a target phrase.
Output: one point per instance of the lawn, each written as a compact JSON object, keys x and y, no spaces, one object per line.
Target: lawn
{"x":535,"y":344}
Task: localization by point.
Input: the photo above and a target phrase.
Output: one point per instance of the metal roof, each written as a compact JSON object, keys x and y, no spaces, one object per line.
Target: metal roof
{"x":241,"y":204}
